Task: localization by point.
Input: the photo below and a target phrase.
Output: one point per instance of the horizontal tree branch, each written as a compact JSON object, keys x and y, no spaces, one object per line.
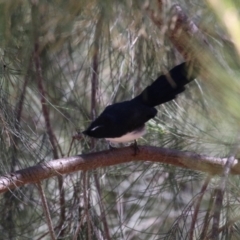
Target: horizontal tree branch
{"x":193,"y":161}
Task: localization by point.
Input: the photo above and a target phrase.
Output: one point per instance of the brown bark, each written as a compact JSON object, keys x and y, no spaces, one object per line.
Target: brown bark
{"x":211,"y":165}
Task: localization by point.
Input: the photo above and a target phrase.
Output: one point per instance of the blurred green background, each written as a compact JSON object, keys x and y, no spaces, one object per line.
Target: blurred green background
{"x":53,"y":54}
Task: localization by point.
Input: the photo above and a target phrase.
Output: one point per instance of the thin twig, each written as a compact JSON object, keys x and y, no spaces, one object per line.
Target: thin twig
{"x":46,"y":211}
{"x":9,"y":215}
{"x":50,"y":133}
{"x":221,"y":190}
{"x":77,"y":136}
{"x":44,"y":102}
{"x":87,"y":204}
{"x":75,"y":237}
{"x":219,"y":198}
{"x":196,"y":210}
{"x":18,"y":110}
{"x":102,"y":209}
{"x":95,"y":80}
{"x":207,"y":218}
{"x":229,"y":224}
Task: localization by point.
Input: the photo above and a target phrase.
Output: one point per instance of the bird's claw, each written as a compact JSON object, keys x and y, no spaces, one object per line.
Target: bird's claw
{"x":136,"y":148}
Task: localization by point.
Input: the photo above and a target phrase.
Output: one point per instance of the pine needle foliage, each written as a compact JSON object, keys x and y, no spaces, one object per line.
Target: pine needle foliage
{"x":61,"y":63}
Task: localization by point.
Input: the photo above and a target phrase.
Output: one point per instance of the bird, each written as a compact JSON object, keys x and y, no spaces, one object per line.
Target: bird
{"x":125,"y":121}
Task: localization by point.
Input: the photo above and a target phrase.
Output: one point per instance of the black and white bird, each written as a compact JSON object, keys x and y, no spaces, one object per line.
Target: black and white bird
{"x":125,"y":121}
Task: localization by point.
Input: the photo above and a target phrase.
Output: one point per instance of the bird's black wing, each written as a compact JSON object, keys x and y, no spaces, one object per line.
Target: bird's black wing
{"x":119,"y":119}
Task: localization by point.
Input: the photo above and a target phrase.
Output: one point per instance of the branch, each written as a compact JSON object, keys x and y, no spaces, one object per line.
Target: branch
{"x":193,"y":161}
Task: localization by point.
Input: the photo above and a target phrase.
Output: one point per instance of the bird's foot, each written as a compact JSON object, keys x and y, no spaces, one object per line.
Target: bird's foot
{"x":111,"y":147}
{"x":136,"y":148}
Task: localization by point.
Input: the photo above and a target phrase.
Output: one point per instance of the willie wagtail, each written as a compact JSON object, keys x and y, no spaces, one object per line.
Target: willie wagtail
{"x":125,"y":121}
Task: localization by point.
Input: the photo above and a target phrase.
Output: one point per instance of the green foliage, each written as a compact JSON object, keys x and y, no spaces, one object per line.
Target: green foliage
{"x":141,"y":200}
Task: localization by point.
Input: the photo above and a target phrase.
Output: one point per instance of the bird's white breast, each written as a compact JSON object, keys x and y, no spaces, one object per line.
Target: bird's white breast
{"x":128,"y":137}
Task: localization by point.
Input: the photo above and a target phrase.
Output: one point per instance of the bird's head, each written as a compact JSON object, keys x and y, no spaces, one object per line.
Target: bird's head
{"x":99,"y":128}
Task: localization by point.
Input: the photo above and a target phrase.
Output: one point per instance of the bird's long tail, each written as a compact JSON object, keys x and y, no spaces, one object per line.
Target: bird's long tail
{"x":166,"y":87}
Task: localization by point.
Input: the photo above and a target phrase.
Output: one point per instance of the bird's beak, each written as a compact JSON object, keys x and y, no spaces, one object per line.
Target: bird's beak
{"x":84,"y":132}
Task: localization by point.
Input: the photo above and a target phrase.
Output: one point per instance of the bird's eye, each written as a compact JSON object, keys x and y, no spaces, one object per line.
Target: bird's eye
{"x":95,"y":128}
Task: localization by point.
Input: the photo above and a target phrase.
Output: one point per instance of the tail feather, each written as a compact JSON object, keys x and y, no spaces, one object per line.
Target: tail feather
{"x":166,"y":87}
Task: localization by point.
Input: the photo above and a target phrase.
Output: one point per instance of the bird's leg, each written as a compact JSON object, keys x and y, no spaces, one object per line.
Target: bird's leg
{"x":111,"y":147}
{"x":135,"y":147}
